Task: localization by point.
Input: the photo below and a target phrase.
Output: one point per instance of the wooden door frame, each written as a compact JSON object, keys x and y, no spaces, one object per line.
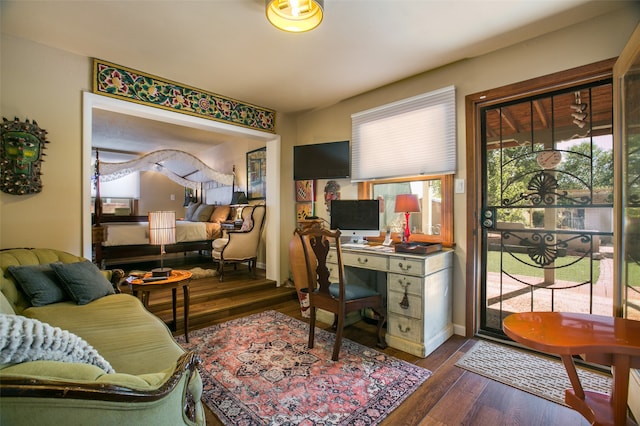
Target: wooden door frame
{"x":473,"y":103}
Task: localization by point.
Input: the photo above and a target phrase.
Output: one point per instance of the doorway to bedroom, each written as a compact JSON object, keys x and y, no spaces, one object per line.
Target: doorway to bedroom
{"x":215,"y":134}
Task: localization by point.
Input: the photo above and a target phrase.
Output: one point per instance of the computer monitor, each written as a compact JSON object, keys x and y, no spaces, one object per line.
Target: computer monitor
{"x":356,"y":219}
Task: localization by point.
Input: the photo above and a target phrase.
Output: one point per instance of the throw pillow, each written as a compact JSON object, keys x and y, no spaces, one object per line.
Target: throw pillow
{"x":203,"y":213}
{"x":191,"y":209}
{"x":220,"y":214}
{"x":83,"y":281}
{"x":27,"y":339}
{"x":247,"y":224}
{"x":39,"y":282}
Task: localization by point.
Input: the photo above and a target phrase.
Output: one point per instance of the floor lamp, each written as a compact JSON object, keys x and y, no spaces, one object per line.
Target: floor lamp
{"x":162,"y":231}
{"x":407,"y":204}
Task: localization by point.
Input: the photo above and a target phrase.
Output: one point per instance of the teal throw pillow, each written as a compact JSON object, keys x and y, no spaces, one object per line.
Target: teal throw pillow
{"x":39,"y":282}
{"x":83,"y":281}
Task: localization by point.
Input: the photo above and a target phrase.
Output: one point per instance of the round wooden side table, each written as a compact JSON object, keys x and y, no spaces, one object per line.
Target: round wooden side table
{"x":178,"y":278}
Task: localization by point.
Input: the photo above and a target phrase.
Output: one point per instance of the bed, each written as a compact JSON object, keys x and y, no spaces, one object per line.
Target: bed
{"x":121,"y":237}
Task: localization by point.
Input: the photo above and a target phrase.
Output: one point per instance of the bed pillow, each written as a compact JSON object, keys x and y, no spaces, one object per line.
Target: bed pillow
{"x":39,"y":282}
{"x":83,"y":281}
{"x":191,"y":209}
{"x":203,"y":213}
{"x":25,"y":339}
{"x":220,"y":214}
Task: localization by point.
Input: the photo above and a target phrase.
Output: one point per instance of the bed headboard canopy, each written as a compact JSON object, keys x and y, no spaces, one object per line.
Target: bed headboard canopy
{"x":179,"y":166}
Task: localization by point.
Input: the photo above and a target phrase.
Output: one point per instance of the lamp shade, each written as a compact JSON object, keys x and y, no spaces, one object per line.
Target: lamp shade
{"x":406,"y":203}
{"x":239,"y":197}
{"x":162,"y":228}
{"x":295,"y":16}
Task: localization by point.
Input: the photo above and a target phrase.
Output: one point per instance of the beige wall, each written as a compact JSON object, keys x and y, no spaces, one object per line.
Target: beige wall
{"x":582,"y":44}
{"x":156,"y":191}
{"x":46,"y":84}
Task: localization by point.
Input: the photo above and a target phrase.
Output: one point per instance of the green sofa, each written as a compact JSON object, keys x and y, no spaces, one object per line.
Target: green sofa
{"x":155,"y":381}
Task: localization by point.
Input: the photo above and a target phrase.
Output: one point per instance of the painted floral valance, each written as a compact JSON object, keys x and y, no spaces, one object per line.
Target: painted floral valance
{"x":135,"y":86}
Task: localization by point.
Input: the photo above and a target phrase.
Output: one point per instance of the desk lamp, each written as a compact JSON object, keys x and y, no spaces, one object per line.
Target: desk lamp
{"x":162,"y":230}
{"x":238,"y":200}
{"x":407,"y":203}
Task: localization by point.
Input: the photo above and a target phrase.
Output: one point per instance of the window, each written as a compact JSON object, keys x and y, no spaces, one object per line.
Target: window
{"x":412,"y":137}
{"x":434,"y":222}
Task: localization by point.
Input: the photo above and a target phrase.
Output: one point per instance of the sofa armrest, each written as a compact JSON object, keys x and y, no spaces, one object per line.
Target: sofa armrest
{"x":46,"y":379}
{"x":115,"y":277}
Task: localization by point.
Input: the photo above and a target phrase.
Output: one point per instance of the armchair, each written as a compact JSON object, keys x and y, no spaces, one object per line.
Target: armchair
{"x":242,"y":245}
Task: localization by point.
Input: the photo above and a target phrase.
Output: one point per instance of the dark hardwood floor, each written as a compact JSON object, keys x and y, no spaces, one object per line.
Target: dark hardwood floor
{"x":452,"y":396}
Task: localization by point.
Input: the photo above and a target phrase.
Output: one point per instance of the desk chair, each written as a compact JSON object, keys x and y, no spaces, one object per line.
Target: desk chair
{"x":338,"y":298}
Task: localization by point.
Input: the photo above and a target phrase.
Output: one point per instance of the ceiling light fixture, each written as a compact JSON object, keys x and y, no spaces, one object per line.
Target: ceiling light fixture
{"x":295,"y":16}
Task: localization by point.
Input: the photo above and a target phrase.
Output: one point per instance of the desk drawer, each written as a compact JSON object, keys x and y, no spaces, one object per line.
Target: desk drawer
{"x":399,"y":283}
{"x":410,"y":306}
{"x":421,"y":266}
{"x":407,"y":328}
{"x":333,"y":272}
{"x":364,"y":260}
{"x":405,"y":265}
{"x":332,"y":256}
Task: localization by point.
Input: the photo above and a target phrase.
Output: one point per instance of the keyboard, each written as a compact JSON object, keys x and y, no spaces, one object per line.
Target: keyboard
{"x":354,"y":245}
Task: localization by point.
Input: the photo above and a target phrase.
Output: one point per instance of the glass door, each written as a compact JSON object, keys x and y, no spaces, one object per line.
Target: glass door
{"x":547,"y":204}
{"x":627,"y":119}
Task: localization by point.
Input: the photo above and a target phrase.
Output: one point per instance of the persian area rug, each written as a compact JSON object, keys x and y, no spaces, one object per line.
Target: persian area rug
{"x":257,"y":370}
{"x":537,"y":374}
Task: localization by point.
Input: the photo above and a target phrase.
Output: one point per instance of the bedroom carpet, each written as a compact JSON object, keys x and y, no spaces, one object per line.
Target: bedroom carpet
{"x":257,"y":370}
{"x":539,"y":375}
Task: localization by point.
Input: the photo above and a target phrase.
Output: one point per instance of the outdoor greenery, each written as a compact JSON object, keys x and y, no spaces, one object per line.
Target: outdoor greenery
{"x":576,"y":273}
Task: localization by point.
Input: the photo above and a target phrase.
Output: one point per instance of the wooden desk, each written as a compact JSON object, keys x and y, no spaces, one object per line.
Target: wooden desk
{"x":417,"y":290}
{"x":177,"y":279}
{"x":603,"y":340}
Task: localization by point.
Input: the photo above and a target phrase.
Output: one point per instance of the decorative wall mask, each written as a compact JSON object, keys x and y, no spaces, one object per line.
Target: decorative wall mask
{"x":21,"y":151}
{"x":331,"y":192}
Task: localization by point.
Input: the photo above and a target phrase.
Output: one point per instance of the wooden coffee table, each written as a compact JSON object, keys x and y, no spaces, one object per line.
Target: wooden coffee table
{"x":599,"y":339}
{"x":178,"y":278}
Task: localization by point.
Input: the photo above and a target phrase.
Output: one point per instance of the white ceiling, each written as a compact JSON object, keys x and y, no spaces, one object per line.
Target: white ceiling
{"x":228,"y":47}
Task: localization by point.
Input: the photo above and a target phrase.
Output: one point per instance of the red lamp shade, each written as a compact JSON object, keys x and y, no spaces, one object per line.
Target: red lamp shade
{"x":407,"y":203}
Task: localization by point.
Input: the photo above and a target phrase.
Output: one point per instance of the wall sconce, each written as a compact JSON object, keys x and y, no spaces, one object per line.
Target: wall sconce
{"x":162,"y":231}
{"x":295,"y":16}
{"x":407,"y":203}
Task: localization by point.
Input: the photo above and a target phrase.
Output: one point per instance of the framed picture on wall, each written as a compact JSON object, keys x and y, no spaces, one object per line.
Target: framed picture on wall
{"x":304,"y":210}
{"x":305,"y":190}
{"x":257,"y":174}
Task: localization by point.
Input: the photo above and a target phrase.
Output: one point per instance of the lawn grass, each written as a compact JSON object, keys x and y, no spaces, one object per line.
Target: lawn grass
{"x":633,"y":278}
{"x":578,"y":272}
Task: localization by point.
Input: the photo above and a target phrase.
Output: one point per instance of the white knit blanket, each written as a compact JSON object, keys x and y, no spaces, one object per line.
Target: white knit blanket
{"x":27,"y":339}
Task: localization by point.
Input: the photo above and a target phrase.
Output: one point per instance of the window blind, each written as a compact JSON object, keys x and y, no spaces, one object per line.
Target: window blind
{"x":411,"y":137}
{"x":127,"y":186}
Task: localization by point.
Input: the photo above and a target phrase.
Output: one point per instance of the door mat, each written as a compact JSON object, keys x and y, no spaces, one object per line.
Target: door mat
{"x":536,"y":374}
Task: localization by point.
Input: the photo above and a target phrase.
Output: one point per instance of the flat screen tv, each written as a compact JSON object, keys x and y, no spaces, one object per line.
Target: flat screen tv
{"x":356,"y":219}
{"x":329,"y":160}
